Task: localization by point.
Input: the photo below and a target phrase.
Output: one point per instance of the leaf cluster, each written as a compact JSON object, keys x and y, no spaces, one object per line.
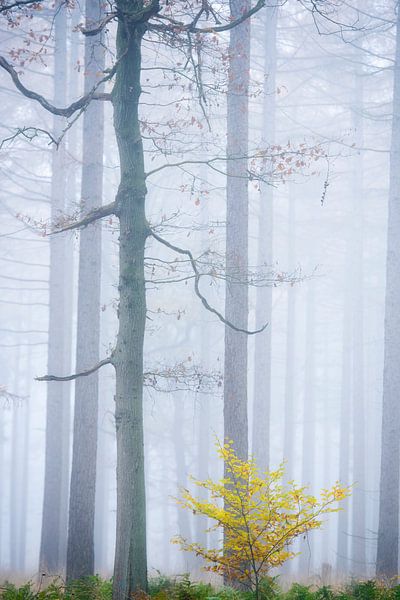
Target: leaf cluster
{"x":258,"y":515}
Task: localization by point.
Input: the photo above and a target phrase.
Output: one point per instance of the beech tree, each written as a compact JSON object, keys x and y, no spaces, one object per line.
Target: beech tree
{"x":134,"y":20}
{"x":185,"y":29}
{"x":237,"y":216}
{"x":80,"y":550}
{"x":388,"y":531}
{"x":56,"y":482}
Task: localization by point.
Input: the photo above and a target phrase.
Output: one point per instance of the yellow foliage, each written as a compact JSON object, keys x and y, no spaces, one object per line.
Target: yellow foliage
{"x":259,"y":517}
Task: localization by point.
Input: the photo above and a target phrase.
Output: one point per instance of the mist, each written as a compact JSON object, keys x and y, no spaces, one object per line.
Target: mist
{"x":200,"y":215}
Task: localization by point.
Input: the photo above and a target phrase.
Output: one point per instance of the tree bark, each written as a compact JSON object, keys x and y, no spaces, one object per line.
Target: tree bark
{"x":15,"y":462}
{"x":358,"y":537}
{"x":58,"y":394}
{"x":262,"y":345}
{"x":309,"y":409}
{"x":80,"y":552}
{"x":236,"y":299}
{"x":342,"y":563}
{"x":289,"y":429}
{"x":388,"y":529}
{"x":130,"y":569}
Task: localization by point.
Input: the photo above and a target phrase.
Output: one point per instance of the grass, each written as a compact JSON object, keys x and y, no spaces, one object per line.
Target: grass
{"x":182,"y":588}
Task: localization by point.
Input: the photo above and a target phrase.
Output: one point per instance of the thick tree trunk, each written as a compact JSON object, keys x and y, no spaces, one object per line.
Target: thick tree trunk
{"x":58,"y":394}
{"x":130,"y":569}
{"x":80,"y":553}
{"x":236,"y":300}
{"x":388,"y":530}
{"x":262,"y":345}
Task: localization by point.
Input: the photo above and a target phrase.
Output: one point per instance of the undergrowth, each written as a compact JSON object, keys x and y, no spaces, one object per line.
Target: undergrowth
{"x":182,"y":588}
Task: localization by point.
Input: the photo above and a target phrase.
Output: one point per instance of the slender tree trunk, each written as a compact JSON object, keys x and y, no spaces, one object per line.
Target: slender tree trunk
{"x":289,"y":409}
{"x":309,"y":429}
{"x":359,"y":531}
{"x":262,"y":345}
{"x":342,"y":564}
{"x":130,"y":569}
{"x":203,"y":457}
{"x":71,"y":198}
{"x":289,"y":430}
{"x":15,"y":467}
{"x":184,"y":525}
{"x":236,"y":300}
{"x":80,"y":554}
{"x":58,"y":396}
{"x":101,"y":512}
{"x":388,"y":530}
{"x":237,"y":225}
{"x":2,"y":472}
{"x":25,"y":471}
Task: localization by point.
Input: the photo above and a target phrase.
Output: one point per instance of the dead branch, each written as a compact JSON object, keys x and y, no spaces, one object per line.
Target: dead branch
{"x":102,"y":363}
{"x":94,"y":215}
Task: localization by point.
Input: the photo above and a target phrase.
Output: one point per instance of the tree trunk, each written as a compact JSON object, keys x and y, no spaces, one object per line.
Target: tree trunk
{"x":25,"y":471}
{"x":236,"y":299}
{"x":388,"y":529}
{"x":58,"y":394}
{"x":262,"y":345}
{"x":359,"y":530}
{"x":15,"y":466}
{"x":184,"y":524}
{"x":289,"y":430}
{"x":344,"y":428}
{"x":309,"y":429}
{"x":80,"y":553}
{"x":130,"y":569}
{"x":2,"y":472}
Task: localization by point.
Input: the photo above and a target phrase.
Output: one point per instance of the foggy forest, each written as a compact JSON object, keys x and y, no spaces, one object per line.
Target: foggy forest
{"x":199,"y":299}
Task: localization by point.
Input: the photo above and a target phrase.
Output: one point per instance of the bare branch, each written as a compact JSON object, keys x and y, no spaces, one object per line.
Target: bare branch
{"x":183,"y":376}
{"x":17,"y":4}
{"x":102,"y":363}
{"x":9,"y":396}
{"x":91,"y":217}
{"x":99,"y":26}
{"x":197,"y":277}
{"x":29,"y":133}
{"x":192,"y":28}
{"x":68,"y":111}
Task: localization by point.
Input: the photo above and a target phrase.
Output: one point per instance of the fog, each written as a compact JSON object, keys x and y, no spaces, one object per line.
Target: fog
{"x":271,"y":256}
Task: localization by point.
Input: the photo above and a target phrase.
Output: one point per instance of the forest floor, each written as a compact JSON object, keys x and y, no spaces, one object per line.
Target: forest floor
{"x":182,"y":588}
